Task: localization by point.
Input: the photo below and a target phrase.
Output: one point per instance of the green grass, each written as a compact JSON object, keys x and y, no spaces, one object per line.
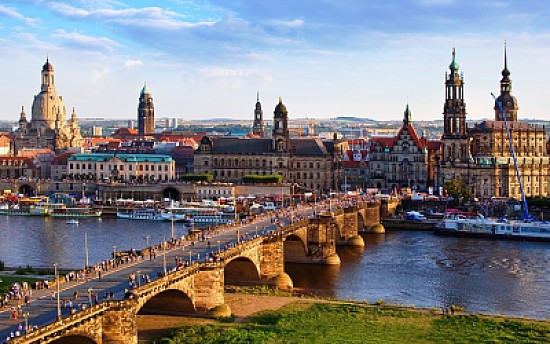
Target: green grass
{"x":355,"y":323}
{"x":9,"y":280}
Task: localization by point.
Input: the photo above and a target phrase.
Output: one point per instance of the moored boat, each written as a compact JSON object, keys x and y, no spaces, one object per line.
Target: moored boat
{"x":143,"y":214}
{"x":494,"y":228}
{"x":75,"y":212}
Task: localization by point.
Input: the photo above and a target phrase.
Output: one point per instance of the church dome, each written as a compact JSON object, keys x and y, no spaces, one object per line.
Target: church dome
{"x":280,"y":108}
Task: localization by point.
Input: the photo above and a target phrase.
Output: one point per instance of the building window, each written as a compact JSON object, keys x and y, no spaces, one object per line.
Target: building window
{"x":146,"y":167}
{"x":121,"y":168}
{"x":129,"y":167}
{"x":71,"y":166}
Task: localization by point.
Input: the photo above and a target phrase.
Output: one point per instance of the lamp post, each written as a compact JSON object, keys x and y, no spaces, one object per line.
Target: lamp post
{"x":86,"y":249}
{"x":190,"y":258}
{"x":114,"y":253}
{"x":90,"y":296}
{"x":218,"y":247}
{"x":164,"y":256}
{"x":57,"y":287}
{"x":238,"y":236}
{"x":26,"y":315}
{"x":147,"y":237}
{"x":172,"y":222}
{"x":138,"y":278}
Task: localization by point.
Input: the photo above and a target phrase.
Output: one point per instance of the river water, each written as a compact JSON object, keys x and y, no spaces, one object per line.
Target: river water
{"x":406,"y":267}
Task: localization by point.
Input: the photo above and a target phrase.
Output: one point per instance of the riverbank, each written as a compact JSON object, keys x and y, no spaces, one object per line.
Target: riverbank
{"x":280,"y":319}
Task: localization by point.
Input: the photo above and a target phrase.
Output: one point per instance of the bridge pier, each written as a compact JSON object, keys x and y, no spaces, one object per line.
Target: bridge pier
{"x":321,"y":240}
{"x":119,"y":324}
{"x":209,"y":289}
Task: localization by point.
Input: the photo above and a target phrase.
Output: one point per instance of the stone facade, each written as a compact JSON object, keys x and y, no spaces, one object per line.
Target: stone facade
{"x":48,"y":127}
{"x":311,"y":163}
{"x":401,"y":161}
{"x":481,"y":157}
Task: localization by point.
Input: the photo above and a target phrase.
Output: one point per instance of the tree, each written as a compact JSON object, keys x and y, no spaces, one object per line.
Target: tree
{"x":458,"y":189}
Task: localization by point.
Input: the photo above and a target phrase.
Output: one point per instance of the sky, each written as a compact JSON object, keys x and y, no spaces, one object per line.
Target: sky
{"x":207,"y":59}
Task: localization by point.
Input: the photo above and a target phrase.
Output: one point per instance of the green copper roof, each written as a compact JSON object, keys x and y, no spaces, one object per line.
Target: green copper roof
{"x":145,"y":89}
{"x":103,"y":157}
{"x":453,"y":65}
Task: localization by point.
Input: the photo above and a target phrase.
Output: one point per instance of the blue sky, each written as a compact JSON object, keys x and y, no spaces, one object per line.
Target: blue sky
{"x":325,"y":58}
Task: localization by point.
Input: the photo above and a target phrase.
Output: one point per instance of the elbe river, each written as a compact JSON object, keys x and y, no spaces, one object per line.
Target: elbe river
{"x":406,"y":267}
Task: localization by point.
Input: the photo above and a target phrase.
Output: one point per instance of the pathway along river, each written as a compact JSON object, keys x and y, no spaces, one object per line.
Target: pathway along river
{"x":411,"y":268}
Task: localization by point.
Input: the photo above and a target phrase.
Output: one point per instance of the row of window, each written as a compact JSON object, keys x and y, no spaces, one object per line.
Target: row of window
{"x":258,"y":163}
{"x":111,"y":167}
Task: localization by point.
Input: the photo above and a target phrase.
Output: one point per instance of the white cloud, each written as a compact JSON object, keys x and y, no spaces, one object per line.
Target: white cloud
{"x":10,"y":12}
{"x":87,"y":42}
{"x":288,"y":23}
{"x":100,"y":74}
{"x":132,"y":63}
{"x":232,"y":78}
{"x":151,"y":17}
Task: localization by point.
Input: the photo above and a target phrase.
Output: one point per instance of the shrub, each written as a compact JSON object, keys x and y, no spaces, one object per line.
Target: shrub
{"x":262,"y":179}
{"x":203,"y":177}
{"x":2,"y":265}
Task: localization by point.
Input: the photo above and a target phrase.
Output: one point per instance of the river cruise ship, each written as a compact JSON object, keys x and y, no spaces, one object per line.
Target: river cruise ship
{"x":458,"y":225}
{"x":142,"y":214}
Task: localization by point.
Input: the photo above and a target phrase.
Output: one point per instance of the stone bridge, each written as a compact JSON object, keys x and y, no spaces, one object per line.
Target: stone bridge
{"x":199,"y":288}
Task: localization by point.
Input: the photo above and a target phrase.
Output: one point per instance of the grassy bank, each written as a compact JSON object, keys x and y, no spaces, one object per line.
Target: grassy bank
{"x":356,"y":323}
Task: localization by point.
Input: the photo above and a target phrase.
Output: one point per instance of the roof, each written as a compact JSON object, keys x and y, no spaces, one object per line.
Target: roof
{"x":62,"y":158}
{"x":390,"y":141}
{"x":125,"y":132}
{"x":236,"y":145}
{"x":499,"y":125}
{"x":308,"y":147}
{"x":102,"y":157}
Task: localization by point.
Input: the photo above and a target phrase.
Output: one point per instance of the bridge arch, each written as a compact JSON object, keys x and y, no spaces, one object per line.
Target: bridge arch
{"x":241,"y":271}
{"x":168,"y":302}
{"x":294,"y":248}
{"x":26,"y":190}
{"x":74,"y":339}
{"x":172,"y":193}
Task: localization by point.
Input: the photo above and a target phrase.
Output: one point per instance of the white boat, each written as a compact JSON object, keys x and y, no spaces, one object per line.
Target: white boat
{"x":173,"y":216}
{"x":480,"y":226}
{"x":144,"y":214}
{"x":72,"y":222}
{"x":75,"y":212}
{"x":202,"y":215}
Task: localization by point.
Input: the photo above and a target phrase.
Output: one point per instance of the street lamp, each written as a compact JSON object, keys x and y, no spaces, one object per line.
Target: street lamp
{"x":86,"y":250}
{"x":147,"y":237}
{"x":57,"y":286}
{"x":218,"y":246}
{"x":90,"y":296}
{"x":164,"y":255}
{"x":138,"y":277}
{"x":114,"y":253}
{"x":26,"y":315}
{"x":172,"y":221}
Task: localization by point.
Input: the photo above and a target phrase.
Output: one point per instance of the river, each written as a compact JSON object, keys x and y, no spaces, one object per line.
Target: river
{"x":406,"y":267}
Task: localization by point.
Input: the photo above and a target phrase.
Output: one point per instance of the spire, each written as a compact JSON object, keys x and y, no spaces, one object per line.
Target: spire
{"x":407,"y":117}
{"x":23,"y":116}
{"x":73,"y":116}
{"x":505,"y":71}
{"x":453,"y":66}
{"x":145,"y":89}
{"x":257,"y":96}
{"x":280,"y":100}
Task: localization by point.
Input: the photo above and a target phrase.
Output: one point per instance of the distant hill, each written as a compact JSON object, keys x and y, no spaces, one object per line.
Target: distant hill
{"x":355,"y":119}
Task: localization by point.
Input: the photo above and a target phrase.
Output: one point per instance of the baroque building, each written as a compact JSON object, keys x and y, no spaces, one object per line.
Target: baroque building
{"x":482,"y":158}
{"x":312,"y":163}
{"x":146,"y":113}
{"x":48,"y":127}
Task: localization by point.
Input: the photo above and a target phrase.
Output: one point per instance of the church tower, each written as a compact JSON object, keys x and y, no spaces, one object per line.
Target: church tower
{"x":258,"y":128}
{"x":508,"y":101}
{"x":281,"y":137}
{"x":455,"y":139}
{"x":146,"y":113}
{"x":407,"y":116}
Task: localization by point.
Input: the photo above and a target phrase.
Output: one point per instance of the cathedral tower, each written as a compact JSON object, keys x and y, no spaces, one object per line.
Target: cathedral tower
{"x":258,"y":128}
{"x":455,"y":139}
{"x":508,"y":101}
{"x":454,"y":109}
{"x":146,"y":113}
{"x":281,"y":137}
